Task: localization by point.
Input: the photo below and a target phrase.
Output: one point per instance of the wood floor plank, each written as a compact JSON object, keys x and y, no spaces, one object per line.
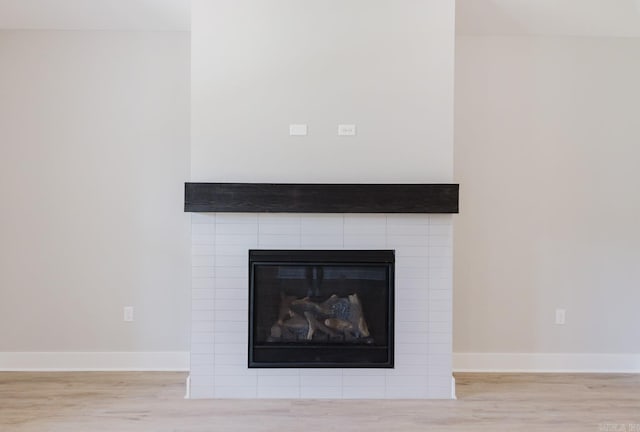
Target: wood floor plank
{"x":73,"y":402}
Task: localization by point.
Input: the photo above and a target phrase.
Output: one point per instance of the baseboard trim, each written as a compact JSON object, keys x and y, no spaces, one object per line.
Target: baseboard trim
{"x":94,"y":361}
{"x":546,"y":362}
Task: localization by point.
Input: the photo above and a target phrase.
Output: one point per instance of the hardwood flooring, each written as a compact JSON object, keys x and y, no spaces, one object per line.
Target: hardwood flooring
{"x":87,"y":402}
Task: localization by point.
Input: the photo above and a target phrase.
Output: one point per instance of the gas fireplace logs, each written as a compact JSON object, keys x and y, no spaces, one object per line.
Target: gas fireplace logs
{"x":336,"y":319}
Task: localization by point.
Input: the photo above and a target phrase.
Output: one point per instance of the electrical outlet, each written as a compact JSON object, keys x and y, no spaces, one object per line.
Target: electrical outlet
{"x":560,"y":316}
{"x":128,"y":313}
{"x":346,"y":130}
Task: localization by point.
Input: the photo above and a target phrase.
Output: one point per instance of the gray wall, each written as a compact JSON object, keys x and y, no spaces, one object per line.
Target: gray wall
{"x":94,"y":147}
{"x":386,"y":66}
{"x":547,"y":153}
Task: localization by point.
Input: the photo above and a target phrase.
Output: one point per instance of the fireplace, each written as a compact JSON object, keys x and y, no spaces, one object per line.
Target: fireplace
{"x":413,"y":221}
{"x":321,"y":308}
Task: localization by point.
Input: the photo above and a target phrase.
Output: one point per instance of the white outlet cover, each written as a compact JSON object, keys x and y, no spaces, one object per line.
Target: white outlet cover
{"x":346,"y":130}
{"x":297,"y":129}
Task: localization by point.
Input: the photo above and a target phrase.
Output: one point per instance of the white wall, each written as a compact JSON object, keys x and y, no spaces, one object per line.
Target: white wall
{"x":94,"y":132}
{"x":386,"y":66}
{"x":547,"y":134}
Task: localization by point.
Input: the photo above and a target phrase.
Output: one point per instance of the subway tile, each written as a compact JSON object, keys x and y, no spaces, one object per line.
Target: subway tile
{"x":279,"y":229}
{"x":363,"y":392}
{"x":407,"y":230}
{"x":236,"y":250}
{"x":440,"y":327}
{"x":206,"y":304}
{"x":201,"y":369}
{"x":199,"y":294}
{"x":231,"y":273}
{"x":440,"y":295}
{"x":411,"y":337}
{"x":412,"y":272}
{"x":202,"y":326}
{"x":235,"y":380}
{"x":232,"y":348}
{"x":412,"y":348}
{"x":231,"y":327}
{"x":278,"y":381}
{"x":235,"y":370}
{"x":412,"y":262}
{"x":233,"y":392}
{"x":233,"y":294}
{"x":440,"y":380}
{"x":409,"y":392}
{"x":363,"y":381}
{"x":440,"y":348}
{"x":412,"y":316}
{"x":320,"y":392}
{"x":412,"y":284}
{"x":440,"y":316}
{"x":410,"y":305}
{"x":440,"y":262}
{"x":269,"y":392}
{"x":237,"y":229}
{"x":434,"y":392}
{"x":202,"y":250}
{"x":322,"y":241}
{"x":407,"y":219}
{"x":202,"y":218}
{"x":440,"y":241}
{"x":197,"y":315}
{"x":236,"y":218}
{"x":439,"y":306}
{"x":202,"y":338}
{"x":440,"y":338}
{"x":202,"y":239}
{"x":241,"y":261}
{"x":279,"y":372}
{"x":202,"y":261}
{"x":407,"y":381}
{"x":203,"y":272}
{"x":413,"y":370}
{"x":440,"y":219}
{"x":416,"y":295}
{"x":278,"y":218}
{"x":413,"y":327}
{"x":201,"y":392}
{"x":201,"y":359}
{"x":269,"y":241}
{"x":235,"y":316}
{"x":203,"y":284}
{"x":199,"y":229}
{"x":246,"y":240}
{"x":377,"y":241}
{"x":202,"y":348}
{"x":410,"y":251}
{"x":230,"y":337}
{"x":232,"y":284}
{"x":228,"y":359}
{"x":442,"y":251}
{"x":321,"y":381}
{"x":402,"y":360}
{"x":407,"y":240}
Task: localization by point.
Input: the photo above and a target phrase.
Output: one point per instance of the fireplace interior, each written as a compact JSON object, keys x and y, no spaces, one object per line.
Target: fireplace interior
{"x":321,"y":308}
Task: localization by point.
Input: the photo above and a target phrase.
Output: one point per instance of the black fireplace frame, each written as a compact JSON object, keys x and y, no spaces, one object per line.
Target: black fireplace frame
{"x":337,"y":356}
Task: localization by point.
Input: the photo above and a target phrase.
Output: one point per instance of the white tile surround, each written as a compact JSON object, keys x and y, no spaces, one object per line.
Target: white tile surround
{"x":423,"y":328}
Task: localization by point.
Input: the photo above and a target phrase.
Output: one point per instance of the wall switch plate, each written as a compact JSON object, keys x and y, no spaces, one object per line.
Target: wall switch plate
{"x":560,"y":316}
{"x":346,"y":130}
{"x":128,"y":313}
{"x":297,"y":129}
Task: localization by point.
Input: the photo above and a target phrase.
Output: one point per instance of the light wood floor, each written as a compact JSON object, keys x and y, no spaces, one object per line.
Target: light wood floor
{"x":71,"y":402}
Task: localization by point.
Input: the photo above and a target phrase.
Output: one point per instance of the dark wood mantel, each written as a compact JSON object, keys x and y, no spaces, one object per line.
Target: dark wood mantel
{"x":321,"y":198}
